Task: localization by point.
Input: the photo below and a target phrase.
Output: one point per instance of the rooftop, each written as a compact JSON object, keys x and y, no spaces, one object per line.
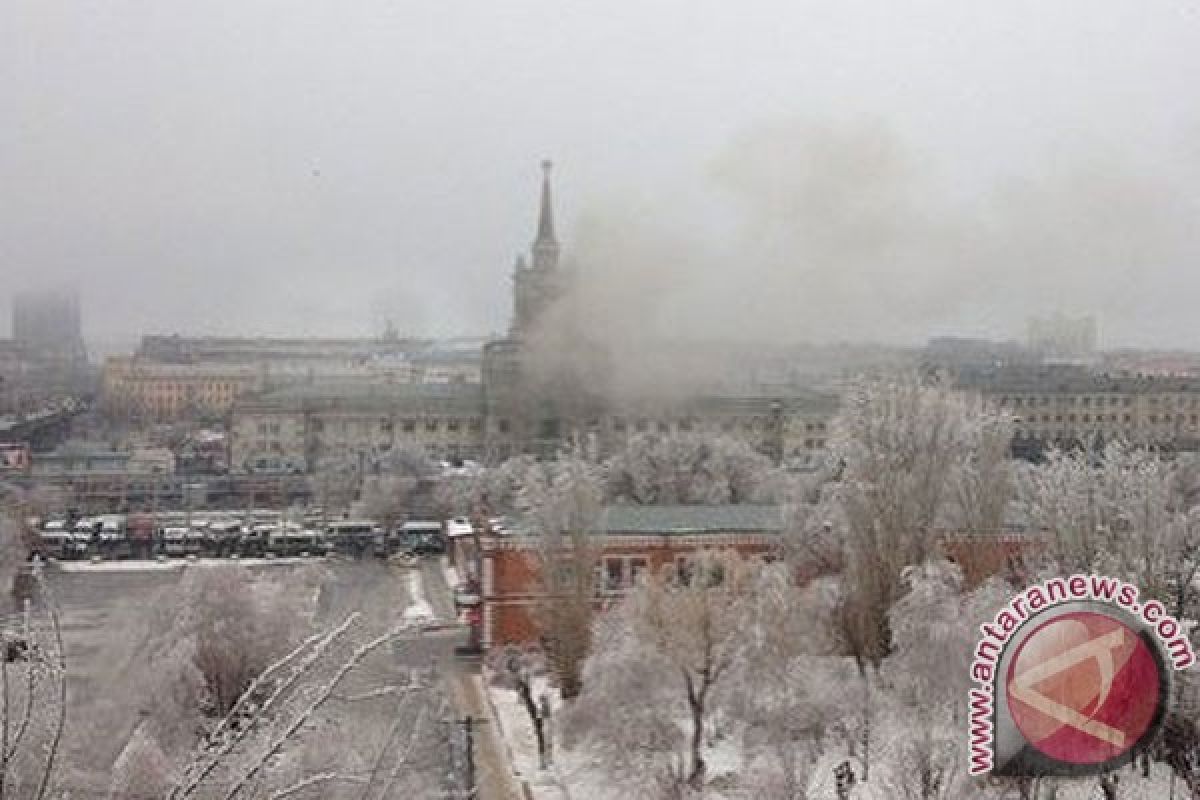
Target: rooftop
{"x":633,"y":519}
{"x":680,"y":520}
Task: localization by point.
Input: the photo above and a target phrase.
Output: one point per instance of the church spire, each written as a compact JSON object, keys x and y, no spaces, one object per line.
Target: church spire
{"x":545,"y":246}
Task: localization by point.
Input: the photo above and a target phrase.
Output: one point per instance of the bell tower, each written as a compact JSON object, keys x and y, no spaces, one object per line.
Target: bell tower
{"x":538,"y":283}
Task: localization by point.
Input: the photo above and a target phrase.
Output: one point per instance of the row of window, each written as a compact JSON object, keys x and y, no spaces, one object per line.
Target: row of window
{"x":1189,"y":401}
{"x":619,"y":573}
{"x":1100,"y":419}
{"x":644,"y":425}
{"x":408,"y":425}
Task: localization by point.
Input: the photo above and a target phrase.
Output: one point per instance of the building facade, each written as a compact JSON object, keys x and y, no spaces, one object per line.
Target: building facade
{"x":510,"y":409}
{"x":134,"y":388}
{"x":1075,"y":406}
{"x":355,"y":426}
{"x":629,"y":541}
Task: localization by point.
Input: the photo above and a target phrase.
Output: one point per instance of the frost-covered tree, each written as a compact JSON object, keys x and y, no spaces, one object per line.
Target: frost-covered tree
{"x":785,"y":692}
{"x":519,"y":668}
{"x":391,"y":482}
{"x":927,"y":677}
{"x":561,"y":502}
{"x":910,"y":456}
{"x":675,"y":637}
{"x":1125,"y":511}
{"x":491,"y":491}
{"x":690,"y":468}
{"x":232,"y":625}
{"x":334,"y":717}
{"x":33,"y":688}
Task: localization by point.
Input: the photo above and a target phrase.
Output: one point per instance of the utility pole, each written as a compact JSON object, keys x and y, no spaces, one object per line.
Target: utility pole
{"x":469,"y":729}
{"x":468,"y":785}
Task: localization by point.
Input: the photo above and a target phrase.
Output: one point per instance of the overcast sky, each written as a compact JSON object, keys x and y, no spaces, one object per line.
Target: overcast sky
{"x":840,"y":169}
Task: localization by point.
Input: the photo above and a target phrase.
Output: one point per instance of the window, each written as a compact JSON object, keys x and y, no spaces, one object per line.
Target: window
{"x":614,"y":574}
{"x":503,"y":426}
{"x":618,"y":424}
{"x":642,"y":425}
{"x":685,"y":425}
{"x":663,"y":426}
{"x":452,"y":424}
{"x":686,"y":571}
{"x":409,"y":425}
{"x":431,"y":424}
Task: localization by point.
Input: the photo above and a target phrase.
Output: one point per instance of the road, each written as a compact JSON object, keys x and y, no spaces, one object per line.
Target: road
{"x":493,"y":770}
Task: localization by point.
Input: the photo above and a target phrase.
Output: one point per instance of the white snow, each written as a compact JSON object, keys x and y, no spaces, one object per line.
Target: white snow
{"x":140,"y":565}
{"x":419,"y":608}
{"x":516,"y":730}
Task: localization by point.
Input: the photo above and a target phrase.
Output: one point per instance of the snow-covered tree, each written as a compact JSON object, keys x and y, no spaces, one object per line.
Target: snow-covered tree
{"x":290,"y":733}
{"x":232,"y":625}
{"x":561,"y":502}
{"x":1124,"y":511}
{"x":785,"y":692}
{"x":491,"y":491}
{"x":684,"y":630}
{"x":690,"y":468}
{"x":910,"y":455}
{"x":33,"y":684}
{"x":927,"y":676}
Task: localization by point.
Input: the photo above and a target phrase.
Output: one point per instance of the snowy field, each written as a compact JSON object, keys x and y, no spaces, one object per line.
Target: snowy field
{"x":573,"y":775}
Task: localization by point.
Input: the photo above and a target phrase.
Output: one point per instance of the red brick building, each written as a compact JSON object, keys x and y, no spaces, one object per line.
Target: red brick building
{"x":628,"y":541}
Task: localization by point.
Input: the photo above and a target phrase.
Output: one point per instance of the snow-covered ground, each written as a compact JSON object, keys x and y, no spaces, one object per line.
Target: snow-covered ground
{"x":418,"y":608}
{"x":154,"y":565}
{"x":574,"y":775}
{"x":517,"y":732}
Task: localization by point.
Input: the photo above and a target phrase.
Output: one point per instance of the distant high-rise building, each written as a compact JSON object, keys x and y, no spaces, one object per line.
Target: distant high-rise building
{"x":1062,"y":339}
{"x":47,"y":325}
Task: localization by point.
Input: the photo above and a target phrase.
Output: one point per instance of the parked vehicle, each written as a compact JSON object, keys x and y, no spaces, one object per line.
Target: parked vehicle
{"x":357,"y":538}
{"x":293,"y":540}
{"x":419,"y":538}
{"x":183,"y":542}
{"x":58,"y":542}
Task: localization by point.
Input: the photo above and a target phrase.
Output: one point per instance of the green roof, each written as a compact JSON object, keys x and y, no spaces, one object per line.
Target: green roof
{"x":743,"y":518}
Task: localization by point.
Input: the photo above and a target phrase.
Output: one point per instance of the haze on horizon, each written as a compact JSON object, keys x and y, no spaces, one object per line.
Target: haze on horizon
{"x":787,"y":170}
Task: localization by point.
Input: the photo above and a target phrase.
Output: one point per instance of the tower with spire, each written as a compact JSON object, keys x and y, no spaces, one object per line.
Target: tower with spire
{"x":538,"y":283}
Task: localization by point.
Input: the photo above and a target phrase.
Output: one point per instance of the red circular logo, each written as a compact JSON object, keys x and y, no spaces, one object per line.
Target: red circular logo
{"x":1084,"y":688}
